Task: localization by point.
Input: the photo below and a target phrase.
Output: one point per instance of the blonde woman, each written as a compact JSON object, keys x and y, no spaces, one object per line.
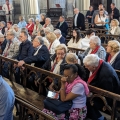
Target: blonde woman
{"x":54,"y":42}
{"x":114,"y":27}
{"x":113,"y":54}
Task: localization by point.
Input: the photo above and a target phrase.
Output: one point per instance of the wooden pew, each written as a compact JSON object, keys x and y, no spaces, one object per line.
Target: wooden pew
{"x":31,"y":100}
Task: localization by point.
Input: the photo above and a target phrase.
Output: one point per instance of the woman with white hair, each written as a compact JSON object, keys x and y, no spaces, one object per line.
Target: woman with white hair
{"x":114,"y":27}
{"x":95,"y":48}
{"x":37,"y":27}
{"x":48,"y":24}
{"x":113,"y":54}
{"x":30,"y":26}
{"x":104,"y":77}
{"x":16,"y":30}
{"x":47,"y":30}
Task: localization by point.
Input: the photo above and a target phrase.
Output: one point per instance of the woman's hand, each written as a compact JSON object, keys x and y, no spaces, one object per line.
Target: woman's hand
{"x":64,"y":80}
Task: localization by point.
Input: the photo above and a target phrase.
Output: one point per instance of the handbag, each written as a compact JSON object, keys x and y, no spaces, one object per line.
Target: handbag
{"x":57,"y":106}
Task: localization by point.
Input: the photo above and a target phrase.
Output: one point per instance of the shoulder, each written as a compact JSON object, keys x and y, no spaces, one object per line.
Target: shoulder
{"x":118,"y":56}
{"x":44,"y":47}
{"x":78,"y":89}
{"x":102,"y":48}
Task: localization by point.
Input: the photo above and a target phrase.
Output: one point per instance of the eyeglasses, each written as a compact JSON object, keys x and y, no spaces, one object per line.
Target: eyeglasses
{"x":60,"y":53}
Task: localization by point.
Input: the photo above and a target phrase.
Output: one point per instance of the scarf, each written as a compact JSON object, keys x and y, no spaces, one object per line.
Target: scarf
{"x":95,"y":50}
{"x":109,"y":58}
{"x":95,"y":72}
{"x":8,"y":7}
{"x":77,"y":80}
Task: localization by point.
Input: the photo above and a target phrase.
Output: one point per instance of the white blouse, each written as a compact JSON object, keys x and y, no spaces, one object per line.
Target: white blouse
{"x":100,"y":19}
{"x":74,"y":44}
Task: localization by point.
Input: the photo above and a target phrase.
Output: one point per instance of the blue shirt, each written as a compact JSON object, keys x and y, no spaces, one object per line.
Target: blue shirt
{"x":22,"y":24}
{"x":7,"y":99}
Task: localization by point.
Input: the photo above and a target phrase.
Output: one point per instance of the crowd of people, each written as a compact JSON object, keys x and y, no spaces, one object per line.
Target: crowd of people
{"x":42,"y":45}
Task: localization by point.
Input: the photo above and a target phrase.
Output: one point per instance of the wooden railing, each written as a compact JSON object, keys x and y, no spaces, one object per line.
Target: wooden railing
{"x":32,"y":101}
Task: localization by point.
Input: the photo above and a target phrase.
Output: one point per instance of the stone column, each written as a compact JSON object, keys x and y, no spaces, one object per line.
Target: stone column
{"x":70,"y":7}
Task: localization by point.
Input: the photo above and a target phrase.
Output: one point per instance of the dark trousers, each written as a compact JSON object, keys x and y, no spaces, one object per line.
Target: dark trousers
{"x":17,"y":75}
{"x":5,"y":70}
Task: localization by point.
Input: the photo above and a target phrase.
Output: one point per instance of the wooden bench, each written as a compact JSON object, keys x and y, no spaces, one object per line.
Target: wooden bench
{"x":31,"y":100}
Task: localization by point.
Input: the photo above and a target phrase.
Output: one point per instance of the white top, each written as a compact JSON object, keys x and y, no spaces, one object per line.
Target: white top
{"x":113,"y":30}
{"x":75,"y":20}
{"x":53,"y":46}
{"x":84,"y":43}
{"x":80,"y":101}
{"x":113,"y":58}
{"x":100,"y":19}
{"x":74,"y":44}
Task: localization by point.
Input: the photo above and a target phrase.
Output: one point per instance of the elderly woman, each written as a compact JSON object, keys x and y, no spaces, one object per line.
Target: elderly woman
{"x":95,"y":48}
{"x":75,"y":89}
{"x":100,"y":20}
{"x":114,"y":27}
{"x":51,"y":37}
{"x":84,"y":43}
{"x":22,"y":23}
{"x":53,"y":64}
{"x":104,"y":77}
{"x":113,"y":54}
{"x":43,"y":16}
{"x":70,"y":58}
{"x":42,"y":33}
{"x":3,"y":25}
{"x":47,"y":30}
{"x":75,"y":40}
{"x":56,"y":62}
{"x":30,"y":26}
{"x":37,"y":27}
{"x":48,"y":24}
{"x":16,"y":30}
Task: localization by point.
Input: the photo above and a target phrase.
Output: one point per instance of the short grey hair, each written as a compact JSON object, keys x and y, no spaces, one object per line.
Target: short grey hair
{"x":15,"y":25}
{"x":71,"y":57}
{"x":11,"y":32}
{"x":91,"y":60}
{"x":57,"y":31}
{"x":31,"y":19}
{"x":37,"y":19}
{"x":3,"y":23}
{"x":40,"y":40}
{"x":47,"y":29}
{"x":96,"y":40}
{"x":25,"y":32}
{"x":48,"y":19}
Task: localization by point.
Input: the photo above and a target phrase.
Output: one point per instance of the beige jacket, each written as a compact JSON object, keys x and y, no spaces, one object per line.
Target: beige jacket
{"x":13,"y":49}
{"x":117,"y":31}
